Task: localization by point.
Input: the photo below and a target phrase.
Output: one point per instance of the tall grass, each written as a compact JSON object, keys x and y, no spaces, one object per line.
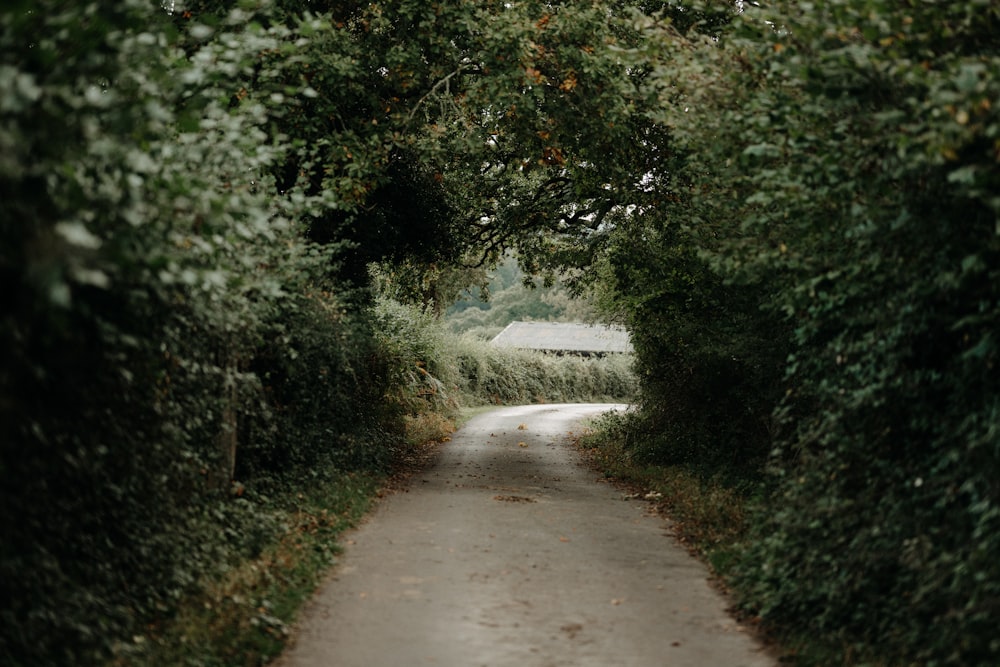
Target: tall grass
{"x":444,"y":370}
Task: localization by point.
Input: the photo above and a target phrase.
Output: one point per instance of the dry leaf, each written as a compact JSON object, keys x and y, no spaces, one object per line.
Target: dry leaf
{"x":514,"y":499}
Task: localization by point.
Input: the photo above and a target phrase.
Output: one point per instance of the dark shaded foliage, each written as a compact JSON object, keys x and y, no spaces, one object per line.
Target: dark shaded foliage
{"x":842,"y":170}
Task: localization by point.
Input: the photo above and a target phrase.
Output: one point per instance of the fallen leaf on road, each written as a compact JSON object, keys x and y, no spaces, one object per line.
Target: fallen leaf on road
{"x":514,"y":499}
{"x":521,"y":427}
{"x":522,"y":444}
{"x":563,"y":539}
{"x":572,"y":629}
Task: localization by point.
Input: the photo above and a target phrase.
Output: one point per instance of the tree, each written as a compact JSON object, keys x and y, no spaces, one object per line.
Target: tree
{"x":483,"y":127}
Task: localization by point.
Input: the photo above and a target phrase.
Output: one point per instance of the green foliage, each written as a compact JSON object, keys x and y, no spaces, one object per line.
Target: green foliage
{"x":139,"y":244}
{"x":841,"y":158}
{"x":242,"y":615}
{"x":506,"y":376}
{"x":325,"y":377}
{"x":707,"y":361}
{"x":130,"y":286}
{"x":427,"y":378}
{"x":454,"y":131}
{"x":896,"y":342}
{"x":795,"y":211}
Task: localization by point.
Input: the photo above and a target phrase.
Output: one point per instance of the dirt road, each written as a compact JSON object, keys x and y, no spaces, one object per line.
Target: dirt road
{"x":509,"y":552}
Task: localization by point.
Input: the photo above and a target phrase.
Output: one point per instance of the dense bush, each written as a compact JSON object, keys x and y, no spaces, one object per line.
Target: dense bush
{"x":707,"y":360}
{"x":497,"y":375}
{"x":890,"y":508}
{"x":325,"y":380}
{"x":840,"y":162}
{"x":158,"y":327}
{"x":113,"y":377}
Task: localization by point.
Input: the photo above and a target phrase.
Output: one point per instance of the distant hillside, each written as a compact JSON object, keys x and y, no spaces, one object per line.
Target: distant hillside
{"x":508,"y":299}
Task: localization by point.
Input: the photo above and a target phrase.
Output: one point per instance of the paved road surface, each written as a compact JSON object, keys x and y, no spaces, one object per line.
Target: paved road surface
{"x":508,"y":552}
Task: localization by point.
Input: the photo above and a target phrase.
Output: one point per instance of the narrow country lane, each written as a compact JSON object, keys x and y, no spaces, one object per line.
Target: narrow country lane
{"x":508,"y":551}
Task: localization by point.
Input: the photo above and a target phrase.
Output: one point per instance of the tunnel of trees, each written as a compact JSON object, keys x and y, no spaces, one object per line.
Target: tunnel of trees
{"x":792,"y":206}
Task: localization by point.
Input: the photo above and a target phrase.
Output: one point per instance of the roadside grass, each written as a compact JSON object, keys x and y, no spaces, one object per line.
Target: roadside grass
{"x":801,"y":649}
{"x":711,"y":516}
{"x":428,"y":427}
{"x":243,"y":616}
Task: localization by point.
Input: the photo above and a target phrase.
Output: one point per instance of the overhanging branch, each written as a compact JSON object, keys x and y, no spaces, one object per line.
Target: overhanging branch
{"x":443,"y":83}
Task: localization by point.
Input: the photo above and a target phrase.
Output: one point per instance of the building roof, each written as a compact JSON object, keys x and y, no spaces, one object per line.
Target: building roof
{"x":564,"y":337}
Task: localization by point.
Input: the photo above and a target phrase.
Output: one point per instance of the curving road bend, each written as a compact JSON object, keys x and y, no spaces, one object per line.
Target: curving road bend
{"x":508,"y":552}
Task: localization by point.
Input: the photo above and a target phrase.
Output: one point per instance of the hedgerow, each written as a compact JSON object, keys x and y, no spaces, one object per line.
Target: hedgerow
{"x":830,"y":271}
{"x":447,"y":370}
{"x":165,"y":345}
{"x":884,"y":180}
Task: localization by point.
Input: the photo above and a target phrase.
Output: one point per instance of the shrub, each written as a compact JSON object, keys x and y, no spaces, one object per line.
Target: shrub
{"x":846,"y":176}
